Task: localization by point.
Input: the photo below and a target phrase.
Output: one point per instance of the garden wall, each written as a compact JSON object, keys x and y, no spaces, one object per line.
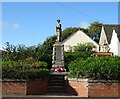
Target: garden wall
{"x":24,"y":87}
{"x":84,"y":88}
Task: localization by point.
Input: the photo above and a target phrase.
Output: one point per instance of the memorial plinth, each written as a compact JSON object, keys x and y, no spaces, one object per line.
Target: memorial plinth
{"x":58,"y":55}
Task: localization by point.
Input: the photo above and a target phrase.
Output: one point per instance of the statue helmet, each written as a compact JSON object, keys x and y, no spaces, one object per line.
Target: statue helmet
{"x":58,"y":20}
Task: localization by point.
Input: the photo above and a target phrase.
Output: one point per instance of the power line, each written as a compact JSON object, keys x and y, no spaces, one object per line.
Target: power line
{"x":78,"y":11}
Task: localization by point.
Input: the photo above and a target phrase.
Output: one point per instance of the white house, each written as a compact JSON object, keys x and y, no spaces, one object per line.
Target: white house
{"x":2,"y":51}
{"x":78,"y":37}
{"x":110,"y":39}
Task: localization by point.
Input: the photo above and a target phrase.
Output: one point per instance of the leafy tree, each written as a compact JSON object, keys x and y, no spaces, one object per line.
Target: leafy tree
{"x":94,"y":30}
{"x":19,"y":52}
{"x":48,"y":44}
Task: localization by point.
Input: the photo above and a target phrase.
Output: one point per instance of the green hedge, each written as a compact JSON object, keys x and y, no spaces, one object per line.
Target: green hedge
{"x":80,"y":51}
{"x":96,"y":68}
{"x":25,"y":74}
{"x":71,"y":56}
{"x":39,"y":65}
{"x":19,"y":70}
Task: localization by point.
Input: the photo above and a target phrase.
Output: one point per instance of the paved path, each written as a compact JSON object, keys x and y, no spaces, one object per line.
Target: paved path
{"x":47,"y":97}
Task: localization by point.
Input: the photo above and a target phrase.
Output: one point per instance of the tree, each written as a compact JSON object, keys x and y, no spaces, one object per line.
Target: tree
{"x":94,"y":30}
{"x":48,"y":44}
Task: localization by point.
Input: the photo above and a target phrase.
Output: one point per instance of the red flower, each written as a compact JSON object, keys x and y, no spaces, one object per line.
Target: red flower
{"x":59,"y":69}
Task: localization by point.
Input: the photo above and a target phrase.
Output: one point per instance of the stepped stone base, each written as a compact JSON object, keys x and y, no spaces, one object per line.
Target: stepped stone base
{"x":56,"y":84}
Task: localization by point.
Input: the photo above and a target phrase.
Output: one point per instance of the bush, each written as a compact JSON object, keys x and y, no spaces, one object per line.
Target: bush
{"x":39,"y":65}
{"x":97,"y":68}
{"x":71,"y":56}
{"x":19,"y":70}
{"x":46,"y":58}
{"x":86,"y":47}
{"x":15,"y":65}
{"x":25,"y":74}
{"x":80,"y":51}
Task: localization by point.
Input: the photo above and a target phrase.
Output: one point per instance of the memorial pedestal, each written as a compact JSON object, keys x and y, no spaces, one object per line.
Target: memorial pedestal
{"x":58,"y":55}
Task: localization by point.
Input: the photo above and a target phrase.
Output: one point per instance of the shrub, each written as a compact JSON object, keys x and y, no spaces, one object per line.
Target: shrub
{"x":39,"y":65}
{"x":25,"y":74}
{"x":71,"y":56}
{"x":15,"y":65}
{"x":80,"y":51}
{"x":19,"y":70}
{"x":86,"y":47}
{"x":97,"y":68}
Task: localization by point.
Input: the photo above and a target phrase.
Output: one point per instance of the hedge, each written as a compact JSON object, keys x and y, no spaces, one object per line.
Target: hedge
{"x":80,"y":51}
{"x":18,"y":70}
{"x":96,"y":68}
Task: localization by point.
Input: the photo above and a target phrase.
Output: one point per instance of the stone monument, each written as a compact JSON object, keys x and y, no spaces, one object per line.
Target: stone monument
{"x":58,"y":49}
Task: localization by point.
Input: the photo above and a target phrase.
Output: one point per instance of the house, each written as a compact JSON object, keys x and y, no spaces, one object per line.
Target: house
{"x":110,"y":39}
{"x":78,"y":37}
{"x":2,"y":51}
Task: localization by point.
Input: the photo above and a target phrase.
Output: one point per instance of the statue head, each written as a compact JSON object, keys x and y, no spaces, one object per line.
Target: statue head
{"x":58,"y":21}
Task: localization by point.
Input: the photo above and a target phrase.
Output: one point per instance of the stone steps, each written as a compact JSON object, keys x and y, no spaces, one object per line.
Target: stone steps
{"x":56,"y":84}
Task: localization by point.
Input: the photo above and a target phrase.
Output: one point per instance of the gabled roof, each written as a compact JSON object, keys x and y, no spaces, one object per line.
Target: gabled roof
{"x":69,"y":36}
{"x":75,"y":33}
{"x":108,"y":28}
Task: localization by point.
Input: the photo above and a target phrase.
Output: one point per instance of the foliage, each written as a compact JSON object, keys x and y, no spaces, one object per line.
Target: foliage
{"x":39,"y":65}
{"x":80,"y":51}
{"x":28,"y":54}
{"x":43,"y":52}
{"x":97,"y":68}
{"x":94,"y":30}
{"x":12,"y":65}
{"x":86,"y":47}
{"x":48,"y":44}
{"x":25,"y":74}
{"x":20,"y":70}
{"x":16,"y":53}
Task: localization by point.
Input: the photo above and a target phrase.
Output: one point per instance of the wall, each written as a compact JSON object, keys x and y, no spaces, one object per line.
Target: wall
{"x":77,"y":88}
{"x":24,"y":87}
{"x":13,"y":87}
{"x":104,"y":90}
{"x":93,"y":89}
{"x":36,"y":87}
{"x":82,"y":88}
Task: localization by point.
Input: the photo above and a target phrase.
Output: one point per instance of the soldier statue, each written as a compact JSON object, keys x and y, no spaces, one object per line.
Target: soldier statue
{"x":59,"y":31}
